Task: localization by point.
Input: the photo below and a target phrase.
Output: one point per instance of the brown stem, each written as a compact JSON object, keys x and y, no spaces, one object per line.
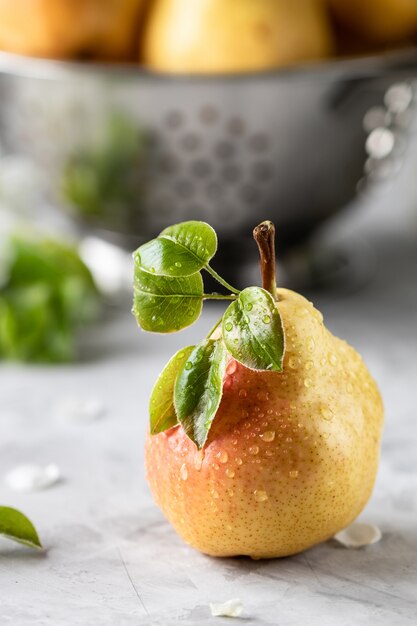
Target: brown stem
{"x":264,"y":235}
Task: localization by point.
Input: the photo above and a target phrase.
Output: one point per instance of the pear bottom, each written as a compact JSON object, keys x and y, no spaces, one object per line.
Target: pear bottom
{"x":291,"y":458}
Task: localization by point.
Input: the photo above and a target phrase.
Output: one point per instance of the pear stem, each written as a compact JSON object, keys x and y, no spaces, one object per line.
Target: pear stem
{"x":264,"y":235}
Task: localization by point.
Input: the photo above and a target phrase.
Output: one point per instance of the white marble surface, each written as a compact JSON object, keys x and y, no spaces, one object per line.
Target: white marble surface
{"x":111,"y":557}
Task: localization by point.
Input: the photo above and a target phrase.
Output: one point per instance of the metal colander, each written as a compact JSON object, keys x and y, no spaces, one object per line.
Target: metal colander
{"x":287,"y":145}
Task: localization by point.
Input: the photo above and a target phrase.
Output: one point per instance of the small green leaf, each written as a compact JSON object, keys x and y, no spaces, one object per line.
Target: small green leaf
{"x":17,"y":527}
{"x":180,"y":250}
{"x":253,"y":332}
{"x":161,"y":406}
{"x":199,"y":389}
{"x":166,"y":305}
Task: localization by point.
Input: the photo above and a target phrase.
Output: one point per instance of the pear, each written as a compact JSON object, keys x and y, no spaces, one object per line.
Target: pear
{"x":291,"y":457}
{"x":380,"y":21}
{"x":65,"y":29}
{"x":234,"y":35}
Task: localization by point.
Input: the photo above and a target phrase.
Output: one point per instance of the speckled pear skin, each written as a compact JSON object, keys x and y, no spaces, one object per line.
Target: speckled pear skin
{"x":291,"y":458}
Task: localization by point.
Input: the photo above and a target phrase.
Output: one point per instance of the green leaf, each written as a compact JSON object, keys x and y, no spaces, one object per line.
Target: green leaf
{"x":17,"y":527}
{"x":252,"y":330}
{"x":180,"y":250}
{"x":166,"y":305}
{"x":199,"y":389}
{"x":161,"y":406}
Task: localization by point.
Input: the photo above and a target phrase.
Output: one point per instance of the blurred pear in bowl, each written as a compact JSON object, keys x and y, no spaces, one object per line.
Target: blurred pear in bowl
{"x":64,"y":29}
{"x":206,"y":36}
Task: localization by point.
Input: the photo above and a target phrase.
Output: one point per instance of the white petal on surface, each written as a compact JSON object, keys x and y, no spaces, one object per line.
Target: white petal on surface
{"x":231,"y":608}
{"x":29,"y":478}
{"x":76,"y":410}
{"x":358,"y":535}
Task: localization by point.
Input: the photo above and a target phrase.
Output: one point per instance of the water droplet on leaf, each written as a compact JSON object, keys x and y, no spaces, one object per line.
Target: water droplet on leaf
{"x":229,"y":326}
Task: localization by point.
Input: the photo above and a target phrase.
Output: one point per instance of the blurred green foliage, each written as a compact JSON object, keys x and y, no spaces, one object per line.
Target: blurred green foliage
{"x":104,"y":182}
{"x":46,"y":294}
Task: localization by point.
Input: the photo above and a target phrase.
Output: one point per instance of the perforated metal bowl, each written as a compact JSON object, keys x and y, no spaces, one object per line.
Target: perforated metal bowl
{"x":287,"y":145}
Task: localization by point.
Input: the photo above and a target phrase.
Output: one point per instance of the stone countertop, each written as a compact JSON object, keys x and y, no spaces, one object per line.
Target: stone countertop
{"x":112,"y":558}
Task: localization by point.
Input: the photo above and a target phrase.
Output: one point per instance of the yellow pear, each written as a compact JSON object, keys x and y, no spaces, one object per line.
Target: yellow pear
{"x":291,"y":458}
{"x":234,"y":35}
{"x":69,"y":28}
{"x":381,"y":21}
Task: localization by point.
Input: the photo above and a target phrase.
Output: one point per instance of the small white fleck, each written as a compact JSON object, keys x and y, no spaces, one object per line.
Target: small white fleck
{"x":76,"y":410}
{"x":358,"y":535}
{"x":29,"y":478}
{"x":231,"y":608}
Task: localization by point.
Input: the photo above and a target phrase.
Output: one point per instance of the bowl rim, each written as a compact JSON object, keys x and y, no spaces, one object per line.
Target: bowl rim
{"x":358,"y":67}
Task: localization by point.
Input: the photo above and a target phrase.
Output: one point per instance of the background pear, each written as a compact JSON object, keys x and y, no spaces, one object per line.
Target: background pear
{"x":234,"y":35}
{"x":291,"y":458}
{"x":381,"y":21}
{"x":67,"y":28}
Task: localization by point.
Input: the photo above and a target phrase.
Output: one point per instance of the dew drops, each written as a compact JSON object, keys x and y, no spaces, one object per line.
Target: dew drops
{"x":215,"y":466}
{"x":214,"y":494}
{"x":249,"y":306}
{"x":292,"y":362}
{"x":294,"y":474}
{"x":311,"y":344}
{"x":222,"y":456}
{"x":309,"y":365}
{"x":230,"y":473}
{"x":245,"y":414}
{"x":188,"y":365}
{"x":229,"y":326}
{"x":243,"y":393}
{"x":268,"y":435}
{"x":263,"y":396}
{"x":184,"y":472}
{"x":326,"y":413}
{"x":254,"y":450}
{"x":238,"y":461}
{"x":269,"y":452}
{"x":332,"y":359}
{"x":266,"y":319}
{"x":326,"y":435}
{"x":307,"y":382}
{"x":231,"y":494}
{"x":198,"y":460}
{"x":231,"y":368}
{"x":178,"y":264}
{"x":153,"y":270}
{"x":260,"y":495}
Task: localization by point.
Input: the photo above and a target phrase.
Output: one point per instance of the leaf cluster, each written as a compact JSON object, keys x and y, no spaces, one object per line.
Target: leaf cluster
{"x":46,"y":294}
{"x":169,"y":296}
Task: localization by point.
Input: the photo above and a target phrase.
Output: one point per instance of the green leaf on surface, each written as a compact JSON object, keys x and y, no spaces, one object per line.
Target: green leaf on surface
{"x":161,"y":406}
{"x":180,"y":250}
{"x":252,"y":330}
{"x":163,"y":304}
{"x":199,"y":388}
{"x":17,"y":527}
